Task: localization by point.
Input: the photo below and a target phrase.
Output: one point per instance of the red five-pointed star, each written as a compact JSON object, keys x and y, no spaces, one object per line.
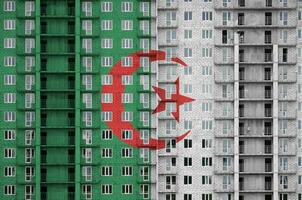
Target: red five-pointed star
{"x":175,"y":98}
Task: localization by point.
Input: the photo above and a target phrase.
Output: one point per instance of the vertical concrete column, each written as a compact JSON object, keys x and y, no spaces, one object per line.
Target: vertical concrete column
{"x":236,"y":116}
{"x":275,"y":122}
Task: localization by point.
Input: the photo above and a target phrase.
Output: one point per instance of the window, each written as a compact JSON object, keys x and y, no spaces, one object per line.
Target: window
{"x":9,"y":135}
{"x":126,"y":189}
{"x":127,"y":43}
{"x":187,"y":180}
{"x":87,"y":63}
{"x":127,"y":25}
{"x":206,"y":143}
{"x":9,"y":43}
{"x":127,"y":153}
{"x":127,"y":116}
{"x":29,"y":173}
{"x":206,"y":161}
{"x":29,"y":63}
{"x":87,"y":118}
{"x":188,"y":70}
{"x":29,"y":45}
{"x":207,"y":16}
{"x":206,"y":125}
{"x":126,"y":134}
{"x":188,"y":15}
{"x":87,"y":173}
{"x":284,"y":18}
{"x":87,"y":26}
{"x":9,"y":79}
{"x":107,"y":61}
{"x":9,"y":116}
{"x":106,"y":134}
{"x":106,"y":171}
{"x":29,"y":100}
{"x":106,"y":25}
{"x":9,"y":153}
{"x":87,"y":136}
{"x":107,"y":43}
{"x":144,"y":8}
{"x":9,"y":6}
{"x":106,"y":189}
{"x":206,"y":34}
{"x":87,"y":8}
{"x":188,"y":52}
{"x":107,"y":97}
{"x":127,"y":7}
{"x":188,"y":88}
{"x":206,"y":52}
{"x":126,"y":171}
{"x":9,"y":61}
{"x":10,"y":190}
{"x":87,"y":155}
{"x":29,"y":26}
{"x":226,"y":18}
{"x":106,"y":116}
{"x":9,"y":97}
{"x":29,"y":118}
{"x":187,"y":143}
{"x":188,"y":34}
{"x":187,"y":161}
{"x":127,"y":98}
{"x":87,"y":82}
{"x":188,"y":124}
{"x":9,"y":24}
{"x":87,"y":191}
{"x":9,"y":171}
{"x":87,"y":45}
{"x":106,"y":7}
{"x":206,"y":196}
{"x":206,"y":70}
{"x":29,"y":155}
{"x":145,"y":27}
{"x":29,"y":8}
{"x":206,"y":180}
{"x":241,"y":19}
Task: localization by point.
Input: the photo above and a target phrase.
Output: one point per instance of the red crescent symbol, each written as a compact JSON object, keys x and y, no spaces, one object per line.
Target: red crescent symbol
{"x":117,"y":107}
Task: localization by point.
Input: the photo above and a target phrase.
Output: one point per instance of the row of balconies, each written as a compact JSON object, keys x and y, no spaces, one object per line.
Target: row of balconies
{"x":262,"y":150}
{"x":256,"y":4}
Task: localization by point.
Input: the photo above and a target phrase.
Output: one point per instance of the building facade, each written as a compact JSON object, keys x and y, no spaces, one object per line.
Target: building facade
{"x":244,"y":68}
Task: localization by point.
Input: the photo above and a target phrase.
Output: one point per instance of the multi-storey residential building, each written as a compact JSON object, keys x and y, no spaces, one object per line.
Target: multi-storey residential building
{"x":244,"y":68}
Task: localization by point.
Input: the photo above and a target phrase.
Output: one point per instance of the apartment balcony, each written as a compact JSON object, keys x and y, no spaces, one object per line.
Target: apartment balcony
{"x":288,"y":150}
{"x":219,"y":151}
{"x":219,"y":78}
{"x":290,"y":113}
{"x":255,"y":5}
{"x":248,"y":132}
{"x":249,"y":151}
{"x":291,"y":168}
{"x":168,"y":152}
{"x":220,"y":169}
{"x":167,"y":188}
{"x":168,"y":170}
{"x":167,"y":24}
{"x":290,"y":95}
{"x":167,"y":78}
{"x":291,"y":77}
{"x":166,"y":5}
{"x":223,"y":188}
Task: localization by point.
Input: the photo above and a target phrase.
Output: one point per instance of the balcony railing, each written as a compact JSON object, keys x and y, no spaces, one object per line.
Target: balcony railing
{"x":268,"y":185}
{"x":268,"y":167}
{"x":267,"y":149}
{"x":268,"y":94}
{"x":241,"y":149}
{"x":268,"y":112}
